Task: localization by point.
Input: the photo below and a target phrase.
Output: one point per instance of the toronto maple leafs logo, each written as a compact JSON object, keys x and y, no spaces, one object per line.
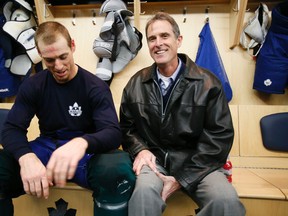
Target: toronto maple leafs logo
{"x":75,"y":110}
{"x":61,"y":209}
{"x":267,"y":82}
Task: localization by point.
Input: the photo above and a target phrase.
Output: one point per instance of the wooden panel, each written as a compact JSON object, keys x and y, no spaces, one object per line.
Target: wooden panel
{"x":249,"y":185}
{"x":277,"y":177}
{"x":263,"y":207}
{"x":178,"y":7}
{"x":6,"y":105}
{"x":180,"y":204}
{"x":81,"y":200}
{"x":147,"y":6}
{"x":259,"y":162}
{"x":42,"y":10}
{"x":249,"y":130}
{"x":259,"y":197}
{"x":237,"y":13}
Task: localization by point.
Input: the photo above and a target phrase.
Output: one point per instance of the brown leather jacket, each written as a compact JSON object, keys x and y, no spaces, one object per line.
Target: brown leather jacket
{"x":193,"y":136}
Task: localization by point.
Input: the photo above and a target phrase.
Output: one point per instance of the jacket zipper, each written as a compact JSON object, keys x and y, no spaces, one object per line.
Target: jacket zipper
{"x":163,"y":115}
{"x":164,"y":111}
{"x":165,"y":159}
{"x":168,"y":98}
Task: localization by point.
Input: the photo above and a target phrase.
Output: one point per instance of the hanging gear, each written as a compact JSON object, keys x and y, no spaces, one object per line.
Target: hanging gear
{"x":9,"y":83}
{"x":254,"y":32}
{"x":20,"y":25}
{"x":118,"y":42}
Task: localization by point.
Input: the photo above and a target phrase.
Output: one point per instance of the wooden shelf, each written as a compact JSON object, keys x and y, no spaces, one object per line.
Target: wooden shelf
{"x":74,"y":7}
{"x":253,"y":4}
{"x":80,"y":9}
{"x":236,"y":8}
{"x":147,"y":6}
{"x":67,"y":10}
{"x":177,"y":7}
{"x":167,"y":6}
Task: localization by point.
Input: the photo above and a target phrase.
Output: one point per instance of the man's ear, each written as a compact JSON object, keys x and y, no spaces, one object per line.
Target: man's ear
{"x":73,"y":45}
{"x":179,"y":39}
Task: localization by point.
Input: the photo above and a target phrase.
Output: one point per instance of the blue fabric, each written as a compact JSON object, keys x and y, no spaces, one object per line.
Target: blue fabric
{"x":208,"y":57}
{"x":9,"y":83}
{"x":271,"y":70}
{"x":43,"y":147}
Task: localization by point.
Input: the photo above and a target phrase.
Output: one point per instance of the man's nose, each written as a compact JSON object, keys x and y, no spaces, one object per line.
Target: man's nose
{"x":159,"y":41}
{"x":58,"y":64}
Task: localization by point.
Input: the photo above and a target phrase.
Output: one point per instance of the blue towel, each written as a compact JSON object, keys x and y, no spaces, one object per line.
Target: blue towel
{"x":208,"y":57}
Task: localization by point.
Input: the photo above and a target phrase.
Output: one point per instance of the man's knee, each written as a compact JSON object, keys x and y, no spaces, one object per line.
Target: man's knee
{"x":148,"y":182}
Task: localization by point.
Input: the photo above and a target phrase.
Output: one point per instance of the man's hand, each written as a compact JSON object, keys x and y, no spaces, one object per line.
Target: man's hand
{"x":144,"y":157}
{"x":170,"y":185}
{"x":33,"y":174}
{"x":64,"y":160}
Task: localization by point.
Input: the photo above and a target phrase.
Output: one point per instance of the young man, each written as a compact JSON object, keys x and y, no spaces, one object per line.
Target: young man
{"x":180,"y":132}
{"x":79,"y":130}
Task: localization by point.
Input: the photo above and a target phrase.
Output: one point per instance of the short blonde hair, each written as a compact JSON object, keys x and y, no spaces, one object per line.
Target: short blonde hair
{"x":49,"y":31}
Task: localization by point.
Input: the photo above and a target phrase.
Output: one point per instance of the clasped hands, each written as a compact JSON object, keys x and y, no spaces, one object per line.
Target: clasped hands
{"x":61,"y":167}
{"x":145,"y":157}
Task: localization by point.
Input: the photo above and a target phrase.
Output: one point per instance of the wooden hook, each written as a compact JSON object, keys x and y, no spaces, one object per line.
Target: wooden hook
{"x":94,"y":17}
{"x":207,"y":15}
{"x":184,"y":14}
{"x":73,"y":18}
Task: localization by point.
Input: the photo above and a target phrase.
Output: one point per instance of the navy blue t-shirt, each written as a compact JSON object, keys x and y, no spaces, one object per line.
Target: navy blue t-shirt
{"x":84,"y":105}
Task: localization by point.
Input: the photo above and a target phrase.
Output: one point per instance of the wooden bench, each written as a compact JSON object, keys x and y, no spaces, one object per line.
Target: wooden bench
{"x":259,"y":176}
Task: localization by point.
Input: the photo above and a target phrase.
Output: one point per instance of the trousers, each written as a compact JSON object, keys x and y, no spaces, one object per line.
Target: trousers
{"x":108,"y":175}
{"x":214,"y":196}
